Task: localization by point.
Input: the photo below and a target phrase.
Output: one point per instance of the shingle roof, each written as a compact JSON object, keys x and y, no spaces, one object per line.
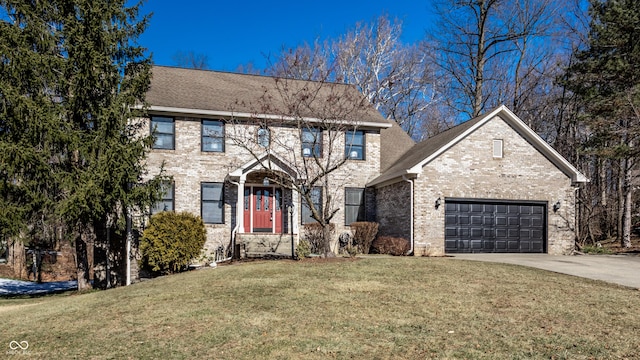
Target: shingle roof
{"x":394,"y":142}
{"x":426,"y":148}
{"x":180,"y":88}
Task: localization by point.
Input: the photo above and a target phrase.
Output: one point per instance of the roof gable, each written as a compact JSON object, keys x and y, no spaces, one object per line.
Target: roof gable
{"x":421,"y":154}
{"x":265,"y":161}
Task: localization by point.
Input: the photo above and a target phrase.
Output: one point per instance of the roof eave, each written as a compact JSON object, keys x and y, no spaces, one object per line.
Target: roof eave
{"x":555,"y":157}
{"x":558,"y":160}
{"x":392,"y":178}
{"x":246,"y":115}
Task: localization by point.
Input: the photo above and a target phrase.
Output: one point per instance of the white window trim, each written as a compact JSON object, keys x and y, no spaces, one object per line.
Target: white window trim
{"x":498,"y":149}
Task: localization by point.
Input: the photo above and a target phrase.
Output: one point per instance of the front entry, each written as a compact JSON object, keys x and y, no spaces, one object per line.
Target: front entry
{"x":263,"y":209}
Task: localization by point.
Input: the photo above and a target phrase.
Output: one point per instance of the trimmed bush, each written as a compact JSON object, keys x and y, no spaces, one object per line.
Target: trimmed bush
{"x":303,"y":249}
{"x":171,"y":241}
{"x":363,"y":235}
{"x":390,"y":245}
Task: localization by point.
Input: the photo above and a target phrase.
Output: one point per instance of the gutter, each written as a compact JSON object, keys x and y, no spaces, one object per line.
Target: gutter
{"x":411,"y":240}
{"x":128,"y":246}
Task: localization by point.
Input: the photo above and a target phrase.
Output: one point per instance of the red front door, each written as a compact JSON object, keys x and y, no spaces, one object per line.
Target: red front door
{"x":262,"y":210}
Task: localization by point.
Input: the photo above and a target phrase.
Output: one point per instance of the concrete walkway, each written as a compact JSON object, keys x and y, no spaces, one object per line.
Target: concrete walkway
{"x":617,"y":269}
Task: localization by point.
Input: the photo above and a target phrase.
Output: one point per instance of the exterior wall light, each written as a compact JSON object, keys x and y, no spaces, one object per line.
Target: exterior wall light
{"x":556,"y":206}
{"x":265,"y":182}
{"x":438,"y":203}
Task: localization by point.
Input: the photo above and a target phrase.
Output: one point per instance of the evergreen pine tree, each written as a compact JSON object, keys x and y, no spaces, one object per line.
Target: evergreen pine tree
{"x":31,"y":135}
{"x":79,"y":95}
{"x":606,"y":77}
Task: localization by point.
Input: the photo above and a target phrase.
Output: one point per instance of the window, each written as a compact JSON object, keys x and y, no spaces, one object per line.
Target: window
{"x":316,"y":198}
{"x":353,"y":205}
{"x":212,"y":203}
{"x":354,"y":145}
{"x":264,"y":137}
{"x":163,"y":129}
{"x":4,"y":250}
{"x":497,"y":148}
{"x":166,"y":203}
{"x":311,"y":142}
{"x":212,"y":136}
{"x":278,"y":200}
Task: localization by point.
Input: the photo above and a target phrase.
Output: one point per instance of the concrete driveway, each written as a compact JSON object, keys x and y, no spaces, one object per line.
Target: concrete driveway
{"x":617,"y":269}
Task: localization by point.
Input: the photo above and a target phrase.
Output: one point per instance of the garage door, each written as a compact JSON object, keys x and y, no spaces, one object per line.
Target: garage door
{"x":494,"y":227}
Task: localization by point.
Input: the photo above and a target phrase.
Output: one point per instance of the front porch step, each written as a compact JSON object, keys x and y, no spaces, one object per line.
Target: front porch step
{"x":265,"y":245}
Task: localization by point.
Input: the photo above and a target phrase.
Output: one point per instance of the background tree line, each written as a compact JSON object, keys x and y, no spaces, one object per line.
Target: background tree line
{"x":568,"y":69}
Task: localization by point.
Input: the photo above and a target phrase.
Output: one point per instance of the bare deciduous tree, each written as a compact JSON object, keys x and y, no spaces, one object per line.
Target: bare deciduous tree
{"x":396,"y":78}
{"x":484,"y":45}
{"x":307,"y":138}
{"x":191,"y":59}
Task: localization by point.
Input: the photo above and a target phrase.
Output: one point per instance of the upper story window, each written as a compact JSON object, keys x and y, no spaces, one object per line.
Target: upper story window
{"x":167,"y":201}
{"x":311,"y":142}
{"x":163,"y":129}
{"x":497,"y":149}
{"x":354,"y":145}
{"x":264,"y":137}
{"x":212,"y":136}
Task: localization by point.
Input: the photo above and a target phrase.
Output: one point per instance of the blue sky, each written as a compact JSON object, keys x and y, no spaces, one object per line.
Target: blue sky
{"x":232,"y":33}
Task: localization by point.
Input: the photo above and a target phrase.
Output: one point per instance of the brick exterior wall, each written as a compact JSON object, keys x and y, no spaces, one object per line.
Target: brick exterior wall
{"x":57,"y":264}
{"x":190,"y":166}
{"x":469,"y":170}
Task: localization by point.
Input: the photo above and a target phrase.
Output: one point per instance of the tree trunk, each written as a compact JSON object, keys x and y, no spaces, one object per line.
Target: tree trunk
{"x":626,"y":190}
{"x":326,"y":240}
{"x":621,"y":199}
{"x":17,"y":259}
{"x":82,"y":264}
{"x":480,"y":59}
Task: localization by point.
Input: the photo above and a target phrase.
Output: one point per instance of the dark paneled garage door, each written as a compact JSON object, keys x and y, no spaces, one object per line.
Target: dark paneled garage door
{"x":474,"y":226}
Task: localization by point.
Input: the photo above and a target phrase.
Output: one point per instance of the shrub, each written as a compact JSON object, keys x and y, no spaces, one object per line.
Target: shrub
{"x":596,"y":249}
{"x":313,"y":233}
{"x":171,"y":241}
{"x":390,"y":245}
{"x":363,"y":235}
{"x":303,"y":249}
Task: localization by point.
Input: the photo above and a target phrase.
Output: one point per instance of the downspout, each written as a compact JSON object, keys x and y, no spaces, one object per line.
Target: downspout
{"x":410,"y":181}
{"x":235,"y":228}
{"x":576,"y":216}
{"x":129,"y":235}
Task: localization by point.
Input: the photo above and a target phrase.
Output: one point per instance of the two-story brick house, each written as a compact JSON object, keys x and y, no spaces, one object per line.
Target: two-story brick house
{"x":231,"y":140}
{"x":234,"y":143}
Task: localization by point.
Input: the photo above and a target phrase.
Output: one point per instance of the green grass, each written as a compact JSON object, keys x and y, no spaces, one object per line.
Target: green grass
{"x":385,"y":308}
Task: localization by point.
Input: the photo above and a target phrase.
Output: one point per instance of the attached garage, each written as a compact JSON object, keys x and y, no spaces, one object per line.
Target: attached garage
{"x":489,"y":185}
{"x":486,"y":226}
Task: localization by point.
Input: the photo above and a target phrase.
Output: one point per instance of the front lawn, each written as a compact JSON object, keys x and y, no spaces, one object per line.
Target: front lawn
{"x":385,"y":308}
